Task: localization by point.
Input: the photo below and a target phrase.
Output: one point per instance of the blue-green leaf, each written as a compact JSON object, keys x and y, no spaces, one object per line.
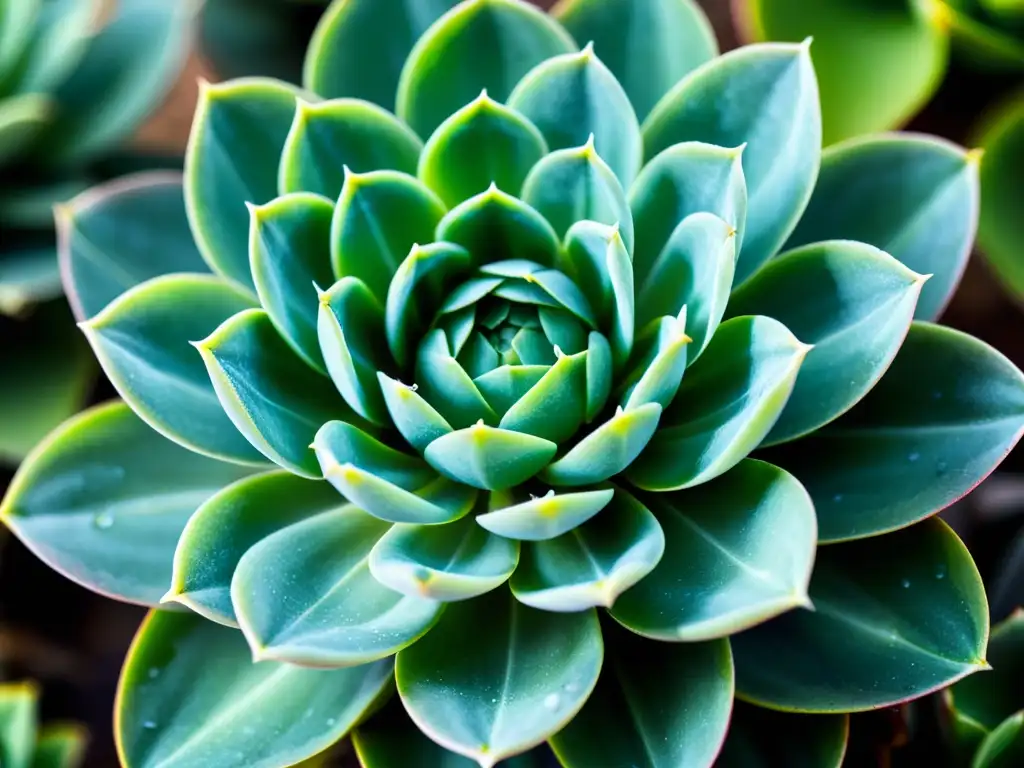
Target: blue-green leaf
{"x":419,"y":423}
{"x":545,"y":517}
{"x":447,"y":387}
{"x":489,"y":458}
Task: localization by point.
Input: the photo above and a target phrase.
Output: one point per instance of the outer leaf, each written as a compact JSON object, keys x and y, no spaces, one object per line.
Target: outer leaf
{"x":339,"y":615}
{"x":657,"y":704}
{"x":18,"y":711}
{"x":478,"y":44}
{"x":912,"y":196}
{"x":28,"y":273}
{"x":1004,"y":747}
{"x":495,"y":678}
{"x":189,"y":694}
{"x":289,"y":254}
{"x":61,"y":745}
{"x":238,"y":134}
{"x":227,"y":525}
{"x":1000,"y":231}
{"x":573,"y":97}
{"x":443,"y":562}
{"x":876,"y":637}
{"x":648,"y":44}
{"x":64,"y":30}
{"x":594,"y":563}
{"x":989,"y":699}
{"x":854,"y":303}
{"x":728,"y":402}
{"x":359,"y":46}
{"x":21,"y":120}
{"x":761,"y":738}
{"x":142,"y":342}
{"x":104,"y":499}
{"x":945,"y":414}
{"x":275,"y":402}
{"x":103,"y":233}
{"x":332,"y":135}
{"x":738,"y":550}
{"x":17,"y":21}
{"x":764,"y":95}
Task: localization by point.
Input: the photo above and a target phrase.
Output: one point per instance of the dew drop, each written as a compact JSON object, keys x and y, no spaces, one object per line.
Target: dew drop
{"x":552,"y":700}
{"x":914,"y":456}
{"x":906,"y":583}
{"x":837,"y":498}
{"x":149,"y":725}
{"x":103,"y":520}
{"x":940,"y":572}
{"x":154,"y":673}
{"x":330,"y":722}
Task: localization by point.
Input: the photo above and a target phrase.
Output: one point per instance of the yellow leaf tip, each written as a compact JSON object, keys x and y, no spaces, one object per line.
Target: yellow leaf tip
{"x":975,"y":156}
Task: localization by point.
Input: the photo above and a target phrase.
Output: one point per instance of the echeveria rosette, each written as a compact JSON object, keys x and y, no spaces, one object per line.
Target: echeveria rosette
{"x":24,"y":744}
{"x":603,"y":367}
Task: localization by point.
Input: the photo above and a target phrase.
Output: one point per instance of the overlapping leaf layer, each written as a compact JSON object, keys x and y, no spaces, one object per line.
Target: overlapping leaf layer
{"x":534,"y":390}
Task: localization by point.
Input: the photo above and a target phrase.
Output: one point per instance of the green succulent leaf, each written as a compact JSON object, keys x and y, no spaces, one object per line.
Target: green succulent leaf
{"x":351,"y":331}
{"x":728,"y":402}
{"x":238,"y":135}
{"x":543,"y":517}
{"x":21,"y":120}
{"x":104,"y":499}
{"x":693,"y":270}
{"x":380,"y":216}
{"x":761,"y":738}
{"x":989,"y":699}
{"x":63,"y":32}
{"x":496,"y":677}
{"x":576,"y":184}
{"x":329,"y":136}
{"x":1000,"y":228}
{"x":901,"y":56}
{"x":17,"y":22}
{"x":443,"y":562}
{"x":359,"y":47}
{"x":19,"y":704}
{"x":273,"y":399}
{"x":142,"y":341}
{"x":227,"y":525}
{"x":942,"y":417}
{"x":555,"y":407}
{"x":767,"y":96}
{"x":419,"y":423}
{"x":132,"y":61}
{"x":31,"y":205}
{"x":685,"y":179}
{"x":750,"y":533}
{"x":189,"y":693}
{"x":479,"y":44}
{"x":101,"y":234}
{"x":338,"y":614}
{"x":660,"y":359}
{"x":447,"y":386}
{"x":574,"y":98}
{"x":481,"y":144}
{"x":877,"y":637}
{"x":914,"y":197}
{"x":649,"y":45}
{"x":592,"y":564}
{"x":28,"y":273}
{"x":851,"y":301}
{"x":60,"y":745}
{"x":1004,"y":747}
{"x":489,"y":458}
{"x":656,"y":704}
{"x":289,"y":252}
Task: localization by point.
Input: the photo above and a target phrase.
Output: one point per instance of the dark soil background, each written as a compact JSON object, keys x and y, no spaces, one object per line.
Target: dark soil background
{"x":73,"y":641}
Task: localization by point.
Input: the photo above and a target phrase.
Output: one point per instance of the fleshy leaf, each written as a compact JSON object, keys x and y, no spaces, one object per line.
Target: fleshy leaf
{"x":877,"y":636}
{"x":443,"y":562}
{"x":545,"y":517}
{"x":1004,"y":747}
{"x":379,"y":217}
{"x":104,"y":499}
{"x":594,"y":563}
{"x":489,"y":458}
{"x":481,"y":144}
{"x":738,"y":550}
{"x":238,"y":133}
{"x":649,"y":45}
{"x":180,"y":697}
{"x":575,"y":96}
{"x":227,"y":524}
{"x":142,"y":341}
{"x":991,"y":698}
{"x":478,"y":44}
{"x":942,"y":417}
{"x":728,"y":402}
{"x":447,"y":387}
{"x":290,"y":252}
{"x":276,"y":402}
{"x":496,"y":677}
{"x":761,"y":738}
{"x":21,"y":120}
{"x":19,"y":708}
{"x":913,"y":197}
{"x":329,"y":136}
{"x":851,"y":301}
{"x":576,"y":184}
{"x":656,"y":704}
{"x":338,"y":614}
{"x":61,"y":745}
{"x":413,"y":416}
{"x":554,"y":407}
{"x":102,"y":234}
{"x":765,"y":95}
{"x":661,"y":358}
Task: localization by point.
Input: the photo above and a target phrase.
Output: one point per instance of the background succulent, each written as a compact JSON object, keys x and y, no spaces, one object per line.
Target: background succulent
{"x":76,"y":78}
{"x":23,"y":744}
{"x":573,"y":319}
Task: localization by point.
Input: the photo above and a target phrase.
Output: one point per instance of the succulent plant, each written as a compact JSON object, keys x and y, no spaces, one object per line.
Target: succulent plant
{"x":528,"y":367}
{"x":23,"y":744}
{"x":74,"y":82}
